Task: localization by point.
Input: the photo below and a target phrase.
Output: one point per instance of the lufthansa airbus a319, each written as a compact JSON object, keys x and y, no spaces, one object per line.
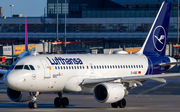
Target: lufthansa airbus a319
{"x":107,"y":76}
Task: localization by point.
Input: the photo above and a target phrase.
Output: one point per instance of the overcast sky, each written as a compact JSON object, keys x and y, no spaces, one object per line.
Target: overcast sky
{"x":29,"y":8}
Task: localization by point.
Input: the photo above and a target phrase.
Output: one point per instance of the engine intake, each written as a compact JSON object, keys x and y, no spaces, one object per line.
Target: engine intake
{"x":18,"y":96}
{"x":109,"y":92}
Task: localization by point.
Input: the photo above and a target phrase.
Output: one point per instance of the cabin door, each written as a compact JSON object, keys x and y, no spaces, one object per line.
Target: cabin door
{"x":46,"y":67}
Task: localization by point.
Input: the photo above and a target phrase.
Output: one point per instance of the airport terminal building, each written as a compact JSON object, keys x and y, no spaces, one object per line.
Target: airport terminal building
{"x":90,"y":23}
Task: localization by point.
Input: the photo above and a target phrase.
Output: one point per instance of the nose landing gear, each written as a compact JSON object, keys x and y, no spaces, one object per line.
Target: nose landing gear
{"x":33,"y":103}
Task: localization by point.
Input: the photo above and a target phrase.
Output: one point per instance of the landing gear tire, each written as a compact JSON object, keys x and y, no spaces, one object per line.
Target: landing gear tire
{"x":122,"y":103}
{"x":65,"y":102}
{"x":61,"y":101}
{"x":114,"y":105}
{"x":33,"y":105}
{"x":57,"y":102}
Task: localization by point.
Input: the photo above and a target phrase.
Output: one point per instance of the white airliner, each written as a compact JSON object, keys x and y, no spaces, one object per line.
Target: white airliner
{"x":107,"y":76}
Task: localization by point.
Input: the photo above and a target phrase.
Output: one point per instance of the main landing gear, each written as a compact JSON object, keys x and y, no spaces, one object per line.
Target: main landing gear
{"x":61,"y":101}
{"x":33,"y":103}
{"x":120,"y":103}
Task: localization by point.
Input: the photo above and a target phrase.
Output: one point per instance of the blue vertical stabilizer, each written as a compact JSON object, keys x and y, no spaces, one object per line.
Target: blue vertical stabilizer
{"x":155,"y":43}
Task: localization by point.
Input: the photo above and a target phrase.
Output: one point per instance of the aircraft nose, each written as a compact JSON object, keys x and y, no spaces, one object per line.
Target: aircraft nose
{"x":11,"y":80}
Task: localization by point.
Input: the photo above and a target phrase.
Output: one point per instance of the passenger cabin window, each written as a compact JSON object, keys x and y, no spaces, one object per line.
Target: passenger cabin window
{"x":32,"y":68}
{"x":18,"y":67}
{"x":26,"y":67}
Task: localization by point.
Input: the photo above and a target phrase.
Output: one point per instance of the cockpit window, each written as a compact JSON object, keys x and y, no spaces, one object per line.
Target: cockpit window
{"x":26,"y":67}
{"x":18,"y":67}
{"x":32,"y":68}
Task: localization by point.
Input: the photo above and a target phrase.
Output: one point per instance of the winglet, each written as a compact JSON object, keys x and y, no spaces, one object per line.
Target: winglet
{"x":26,"y":37}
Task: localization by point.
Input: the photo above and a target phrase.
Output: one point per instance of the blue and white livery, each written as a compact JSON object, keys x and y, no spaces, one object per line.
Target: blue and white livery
{"x":107,"y":76}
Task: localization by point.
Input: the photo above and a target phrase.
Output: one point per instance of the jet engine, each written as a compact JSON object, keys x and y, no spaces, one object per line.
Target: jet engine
{"x":109,"y":92}
{"x":18,"y":96}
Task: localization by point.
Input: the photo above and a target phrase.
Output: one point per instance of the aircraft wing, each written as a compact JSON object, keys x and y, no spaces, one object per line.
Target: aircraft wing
{"x":5,"y":66}
{"x":9,"y":55}
{"x":3,"y":71}
{"x":131,"y":79}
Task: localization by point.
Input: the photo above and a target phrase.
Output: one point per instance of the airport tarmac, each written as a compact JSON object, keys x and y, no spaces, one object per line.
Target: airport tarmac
{"x":153,"y":96}
{"x":135,"y":103}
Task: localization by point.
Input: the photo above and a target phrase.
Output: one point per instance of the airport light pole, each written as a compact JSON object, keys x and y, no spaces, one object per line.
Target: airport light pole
{"x":178,"y":25}
{"x":11,"y":9}
{"x":178,"y":30}
{"x":57,"y":21}
{"x":65,"y":30}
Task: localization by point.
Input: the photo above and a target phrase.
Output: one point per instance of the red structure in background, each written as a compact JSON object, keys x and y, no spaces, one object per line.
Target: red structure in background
{"x":176,"y":51}
{"x":3,"y":58}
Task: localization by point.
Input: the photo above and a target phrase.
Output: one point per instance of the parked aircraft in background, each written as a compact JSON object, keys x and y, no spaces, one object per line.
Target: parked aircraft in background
{"x":107,"y":76}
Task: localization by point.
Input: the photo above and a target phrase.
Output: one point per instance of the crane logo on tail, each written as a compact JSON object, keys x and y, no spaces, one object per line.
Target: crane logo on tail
{"x":159,"y":38}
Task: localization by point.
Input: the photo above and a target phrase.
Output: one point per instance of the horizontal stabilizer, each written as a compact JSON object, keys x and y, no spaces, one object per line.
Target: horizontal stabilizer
{"x":167,"y":64}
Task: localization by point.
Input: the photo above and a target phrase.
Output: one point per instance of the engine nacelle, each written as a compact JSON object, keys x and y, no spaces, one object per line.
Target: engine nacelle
{"x":109,"y":92}
{"x":18,"y":96}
